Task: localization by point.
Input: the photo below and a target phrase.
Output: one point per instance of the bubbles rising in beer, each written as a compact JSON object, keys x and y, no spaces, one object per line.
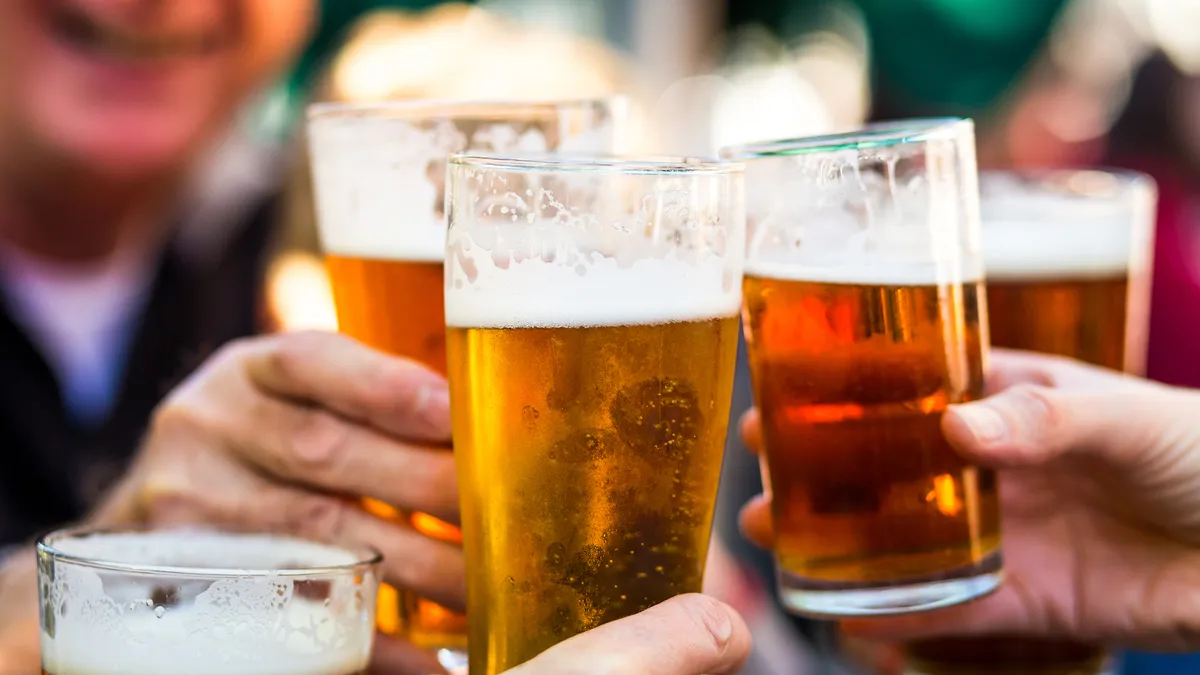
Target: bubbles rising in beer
{"x":634,"y":560}
{"x":599,"y":506}
{"x":661,"y":414}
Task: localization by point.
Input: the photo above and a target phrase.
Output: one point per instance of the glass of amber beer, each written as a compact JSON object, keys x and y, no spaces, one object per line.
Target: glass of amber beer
{"x":592,"y":312}
{"x":204,"y":602}
{"x":864,"y":319}
{"x":1068,"y":262}
{"x":379,"y":180}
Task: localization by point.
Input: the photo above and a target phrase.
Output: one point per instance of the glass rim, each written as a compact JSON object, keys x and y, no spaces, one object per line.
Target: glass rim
{"x":364,"y":555}
{"x":449,"y":107}
{"x":638,"y":165}
{"x":874,"y":135}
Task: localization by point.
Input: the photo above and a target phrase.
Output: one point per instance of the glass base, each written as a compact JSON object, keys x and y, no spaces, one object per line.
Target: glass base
{"x":453,"y":659}
{"x":831,"y":600}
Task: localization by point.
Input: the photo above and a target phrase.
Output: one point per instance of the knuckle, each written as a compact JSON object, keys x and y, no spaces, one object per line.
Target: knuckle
{"x":227,"y":356}
{"x":176,"y":417}
{"x":711,"y":619}
{"x":290,"y":352}
{"x":317,"y":442}
{"x":379,"y":390}
{"x":1035,"y":412}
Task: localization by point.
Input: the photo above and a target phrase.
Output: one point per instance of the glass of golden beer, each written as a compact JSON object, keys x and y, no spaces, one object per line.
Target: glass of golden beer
{"x":379,"y":180}
{"x":1068,"y":262}
{"x":202,"y":602}
{"x":864,"y":319}
{"x":592,"y":312}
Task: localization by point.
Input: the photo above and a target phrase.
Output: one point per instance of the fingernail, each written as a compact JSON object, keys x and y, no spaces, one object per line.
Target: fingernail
{"x":986,"y":425}
{"x":435,"y":407}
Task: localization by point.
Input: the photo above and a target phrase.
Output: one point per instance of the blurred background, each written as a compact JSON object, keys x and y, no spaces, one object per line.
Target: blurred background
{"x":1049,"y":83}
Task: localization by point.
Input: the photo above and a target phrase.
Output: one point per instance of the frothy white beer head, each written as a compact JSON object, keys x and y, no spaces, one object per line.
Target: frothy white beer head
{"x":891,"y":202}
{"x":877,"y":274}
{"x":231,"y":618}
{"x":593,"y":242}
{"x":1064,"y":225}
{"x":379,"y":170}
{"x":598,"y":292}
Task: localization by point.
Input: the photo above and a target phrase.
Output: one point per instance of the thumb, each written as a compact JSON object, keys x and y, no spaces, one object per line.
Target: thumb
{"x":1029,"y":425}
{"x":687,"y":635}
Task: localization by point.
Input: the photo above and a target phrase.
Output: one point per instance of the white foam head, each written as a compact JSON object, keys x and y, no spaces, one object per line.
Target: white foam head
{"x":891,"y":203}
{"x":376,"y":186}
{"x":379,"y":171}
{"x":593,"y":242}
{"x":878,"y":273}
{"x":597,"y":292}
{"x":1064,"y":225}
{"x":102,"y":621}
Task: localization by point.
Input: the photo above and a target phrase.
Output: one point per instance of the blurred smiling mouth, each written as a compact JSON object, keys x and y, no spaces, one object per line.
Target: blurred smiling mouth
{"x":91,"y":35}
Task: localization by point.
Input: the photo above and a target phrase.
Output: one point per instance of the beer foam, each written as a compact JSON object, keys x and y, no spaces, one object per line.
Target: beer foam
{"x":1031,"y":250}
{"x":379,"y":177}
{"x":1065,"y":224}
{"x":881,"y":273}
{"x":105,"y":623}
{"x":377,"y":184}
{"x":534,"y":293}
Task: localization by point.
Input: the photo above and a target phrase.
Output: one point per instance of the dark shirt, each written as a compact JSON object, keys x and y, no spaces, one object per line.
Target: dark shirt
{"x":52,"y":469}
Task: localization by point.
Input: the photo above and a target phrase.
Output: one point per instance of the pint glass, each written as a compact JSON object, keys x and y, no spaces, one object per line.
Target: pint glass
{"x":1068,"y":259}
{"x":182,"y":602}
{"x":379,"y":181}
{"x":592,"y":336}
{"x":864,"y":319}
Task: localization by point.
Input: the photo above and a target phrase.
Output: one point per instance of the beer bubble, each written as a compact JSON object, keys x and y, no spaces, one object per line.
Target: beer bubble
{"x":661,"y":413}
{"x":585,"y":445}
{"x":555,"y":553}
{"x":529,"y":415}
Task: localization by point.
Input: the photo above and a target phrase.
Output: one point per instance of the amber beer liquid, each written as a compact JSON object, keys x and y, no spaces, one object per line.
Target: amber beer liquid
{"x":396,"y":305}
{"x":1074,"y":288}
{"x":589,"y":458}
{"x":852,"y":378}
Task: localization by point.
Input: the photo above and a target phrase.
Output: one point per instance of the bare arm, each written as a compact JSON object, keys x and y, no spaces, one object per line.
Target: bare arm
{"x":19,"y":650}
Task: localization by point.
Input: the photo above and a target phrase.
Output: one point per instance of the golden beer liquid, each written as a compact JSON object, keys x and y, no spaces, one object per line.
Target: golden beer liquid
{"x":397,"y":307}
{"x":588,"y":461}
{"x":1082,"y":318}
{"x":852,"y":381}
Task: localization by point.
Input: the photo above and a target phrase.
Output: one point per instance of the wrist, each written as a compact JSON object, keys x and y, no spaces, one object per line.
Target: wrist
{"x":19,"y":648}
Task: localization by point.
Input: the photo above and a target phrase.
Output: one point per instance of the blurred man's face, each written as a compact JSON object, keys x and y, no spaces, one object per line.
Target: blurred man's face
{"x":129,"y":88}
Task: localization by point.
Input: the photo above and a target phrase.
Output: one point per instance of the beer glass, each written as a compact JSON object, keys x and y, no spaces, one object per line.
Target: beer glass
{"x":864,"y":320}
{"x":592,"y":332}
{"x":203,"y":602}
{"x":1068,"y":261}
{"x":379,"y":181}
